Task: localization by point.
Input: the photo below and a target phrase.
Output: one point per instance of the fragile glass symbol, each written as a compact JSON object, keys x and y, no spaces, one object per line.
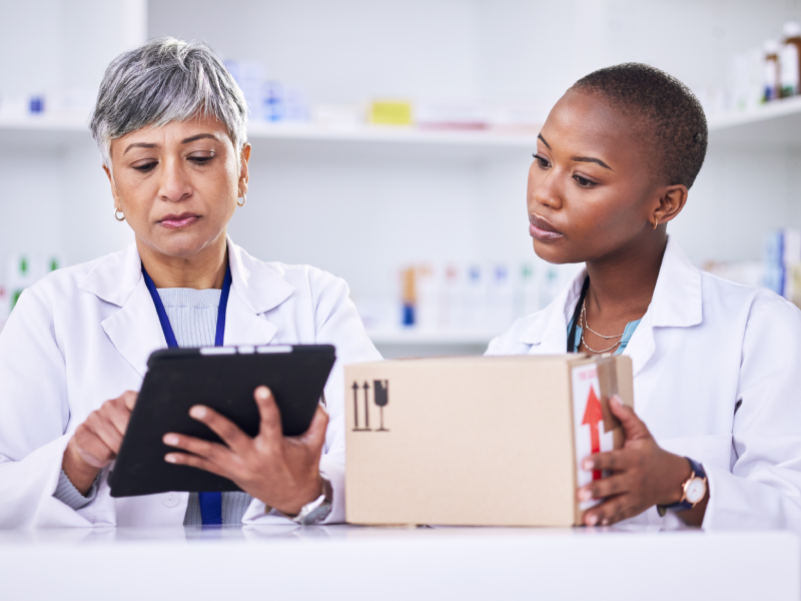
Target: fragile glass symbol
{"x":381,"y":399}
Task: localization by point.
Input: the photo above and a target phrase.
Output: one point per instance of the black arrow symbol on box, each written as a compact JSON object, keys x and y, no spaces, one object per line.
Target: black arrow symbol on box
{"x":355,"y":405}
{"x":366,"y":406}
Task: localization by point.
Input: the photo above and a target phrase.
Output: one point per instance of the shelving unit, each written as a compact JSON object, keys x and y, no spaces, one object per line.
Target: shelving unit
{"x":777,"y":123}
{"x":415,"y":336}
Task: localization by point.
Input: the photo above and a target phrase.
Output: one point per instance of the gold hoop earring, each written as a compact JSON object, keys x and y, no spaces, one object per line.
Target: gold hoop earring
{"x":656,"y":222}
{"x":117,"y":217}
{"x":244,"y":200}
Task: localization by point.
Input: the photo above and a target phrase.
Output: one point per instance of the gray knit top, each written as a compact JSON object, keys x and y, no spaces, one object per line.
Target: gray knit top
{"x":193,"y":317}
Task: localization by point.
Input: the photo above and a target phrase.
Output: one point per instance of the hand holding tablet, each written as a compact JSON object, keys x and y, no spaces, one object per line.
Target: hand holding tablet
{"x":243,"y":419}
{"x":283,"y":472}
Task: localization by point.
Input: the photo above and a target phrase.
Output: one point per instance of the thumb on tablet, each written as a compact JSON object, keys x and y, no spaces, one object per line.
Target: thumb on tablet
{"x":129,"y":398}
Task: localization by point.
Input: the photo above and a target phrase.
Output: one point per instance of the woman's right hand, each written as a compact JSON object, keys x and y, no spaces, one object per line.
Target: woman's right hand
{"x":97,"y":441}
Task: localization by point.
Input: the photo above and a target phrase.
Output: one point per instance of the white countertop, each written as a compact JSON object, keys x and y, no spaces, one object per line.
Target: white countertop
{"x":351,"y":562}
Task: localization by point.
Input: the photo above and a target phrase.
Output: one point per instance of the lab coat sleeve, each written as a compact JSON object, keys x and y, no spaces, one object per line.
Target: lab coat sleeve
{"x":34,"y":413}
{"x":763,"y":488}
{"x":336,"y":322}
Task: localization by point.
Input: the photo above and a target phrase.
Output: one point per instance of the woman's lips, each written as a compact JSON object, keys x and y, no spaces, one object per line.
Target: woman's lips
{"x":543,"y":231}
{"x":175,"y":222}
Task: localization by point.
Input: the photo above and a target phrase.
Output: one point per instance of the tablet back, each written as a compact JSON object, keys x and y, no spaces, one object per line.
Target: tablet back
{"x":223,"y":378}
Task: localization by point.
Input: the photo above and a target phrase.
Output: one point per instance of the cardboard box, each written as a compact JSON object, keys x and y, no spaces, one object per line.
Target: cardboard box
{"x":478,"y":440}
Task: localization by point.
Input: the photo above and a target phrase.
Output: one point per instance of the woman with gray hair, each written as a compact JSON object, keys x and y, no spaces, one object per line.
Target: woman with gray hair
{"x":170,"y":123}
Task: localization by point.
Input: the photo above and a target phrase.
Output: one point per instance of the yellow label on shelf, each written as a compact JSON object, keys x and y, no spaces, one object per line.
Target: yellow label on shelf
{"x":385,"y":112}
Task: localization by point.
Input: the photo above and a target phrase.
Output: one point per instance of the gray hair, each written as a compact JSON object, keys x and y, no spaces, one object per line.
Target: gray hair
{"x":163,"y":81}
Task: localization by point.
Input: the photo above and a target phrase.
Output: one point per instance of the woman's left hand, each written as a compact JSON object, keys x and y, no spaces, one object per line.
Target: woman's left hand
{"x":283,"y":472}
{"x":642,"y":474}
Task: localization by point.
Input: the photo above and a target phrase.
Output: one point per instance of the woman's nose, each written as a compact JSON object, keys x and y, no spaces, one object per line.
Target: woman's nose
{"x":174,"y":185}
{"x":545,"y":191}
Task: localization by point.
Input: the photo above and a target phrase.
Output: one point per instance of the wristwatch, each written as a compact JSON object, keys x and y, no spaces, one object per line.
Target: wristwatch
{"x":693,"y":490}
{"x":317,"y":510}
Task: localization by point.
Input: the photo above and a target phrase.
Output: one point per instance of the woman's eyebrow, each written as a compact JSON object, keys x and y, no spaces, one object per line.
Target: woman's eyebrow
{"x":198,"y":137}
{"x":591,"y":160}
{"x":539,"y":136}
{"x":139,"y":145}
{"x":579,"y":159}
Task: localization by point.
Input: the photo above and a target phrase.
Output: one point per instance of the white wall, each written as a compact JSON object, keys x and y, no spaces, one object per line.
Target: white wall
{"x":340,"y":51}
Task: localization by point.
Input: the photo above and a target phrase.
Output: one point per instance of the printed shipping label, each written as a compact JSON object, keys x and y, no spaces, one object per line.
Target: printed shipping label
{"x":588,"y":424}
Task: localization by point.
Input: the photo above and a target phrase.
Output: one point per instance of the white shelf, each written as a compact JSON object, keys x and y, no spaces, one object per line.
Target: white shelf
{"x":432,"y":338}
{"x":774,"y":125}
{"x":303,"y":138}
{"x":777,"y":125}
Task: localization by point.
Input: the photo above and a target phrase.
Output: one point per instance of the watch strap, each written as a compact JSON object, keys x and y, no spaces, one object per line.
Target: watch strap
{"x":698,"y":471}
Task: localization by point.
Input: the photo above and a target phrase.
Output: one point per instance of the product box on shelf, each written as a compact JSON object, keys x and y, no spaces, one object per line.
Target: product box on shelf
{"x":493,"y":441}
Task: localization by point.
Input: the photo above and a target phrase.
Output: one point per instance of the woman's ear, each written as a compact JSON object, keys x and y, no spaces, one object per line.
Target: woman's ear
{"x":671,"y":203}
{"x":243,"y":170}
{"x":110,"y":177}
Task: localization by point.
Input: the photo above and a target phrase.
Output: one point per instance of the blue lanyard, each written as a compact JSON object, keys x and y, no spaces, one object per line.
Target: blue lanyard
{"x":169,"y":336}
{"x":210,"y":502}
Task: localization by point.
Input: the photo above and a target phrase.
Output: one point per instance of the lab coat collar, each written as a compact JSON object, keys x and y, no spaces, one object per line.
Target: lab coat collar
{"x":135,"y":330}
{"x":677,"y":302}
{"x":678,"y":299}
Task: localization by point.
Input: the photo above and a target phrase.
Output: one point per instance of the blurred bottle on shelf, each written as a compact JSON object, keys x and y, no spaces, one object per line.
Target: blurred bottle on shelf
{"x":475,"y":298}
{"x":527,"y":291}
{"x":426,"y":289}
{"x":745,"y":80}
{"x":790,"y":59}
{"x":748,"y":273}
{"x":500,"y":312}
{"x":771,"y":72}
{"x":390,"y":112}
{"x":268,"y":100}
{"x":449,"y":314}
{"x":408,"y":297}
{"x":249,"y":75}
{"x":782,"y":255}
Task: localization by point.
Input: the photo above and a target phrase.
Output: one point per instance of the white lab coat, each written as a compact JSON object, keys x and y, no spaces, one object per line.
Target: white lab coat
{"x":717,"y":377}
{"x":82,"y":336}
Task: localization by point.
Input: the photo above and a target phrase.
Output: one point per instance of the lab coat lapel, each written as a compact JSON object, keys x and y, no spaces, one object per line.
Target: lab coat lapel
{"x":134,"y":330}
{"x":677,"y":303}
{"x":244,"y":326}
{"x":256,"y":289}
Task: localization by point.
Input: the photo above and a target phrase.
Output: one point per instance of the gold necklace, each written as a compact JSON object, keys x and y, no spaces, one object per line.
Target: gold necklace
{"x":587,"y":327}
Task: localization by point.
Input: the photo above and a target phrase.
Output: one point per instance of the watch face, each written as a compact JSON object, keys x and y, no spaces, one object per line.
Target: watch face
{"x":695,"y":491}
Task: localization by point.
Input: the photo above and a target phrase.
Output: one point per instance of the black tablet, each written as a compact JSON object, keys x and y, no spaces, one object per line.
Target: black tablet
{"x":223,"y":378}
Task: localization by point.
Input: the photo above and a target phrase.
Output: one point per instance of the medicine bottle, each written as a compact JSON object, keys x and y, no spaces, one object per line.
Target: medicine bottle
{"x":770,"y":76}
{"x":790,"y":59}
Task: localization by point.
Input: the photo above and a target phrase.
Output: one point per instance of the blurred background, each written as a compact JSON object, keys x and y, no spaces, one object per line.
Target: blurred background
{"x":391,"y":140}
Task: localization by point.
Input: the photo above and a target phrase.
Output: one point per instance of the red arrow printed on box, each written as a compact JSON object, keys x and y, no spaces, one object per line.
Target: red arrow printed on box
{"x":593,"y":415}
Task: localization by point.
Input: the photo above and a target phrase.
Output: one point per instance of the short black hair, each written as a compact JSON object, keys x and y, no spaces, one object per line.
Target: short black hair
{"x":672,"y":118}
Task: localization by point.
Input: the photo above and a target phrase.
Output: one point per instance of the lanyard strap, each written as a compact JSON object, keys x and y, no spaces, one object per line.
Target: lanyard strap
{"x":164,"y":320}
{"x":571,"y":336}
{"x":210,"y":502}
